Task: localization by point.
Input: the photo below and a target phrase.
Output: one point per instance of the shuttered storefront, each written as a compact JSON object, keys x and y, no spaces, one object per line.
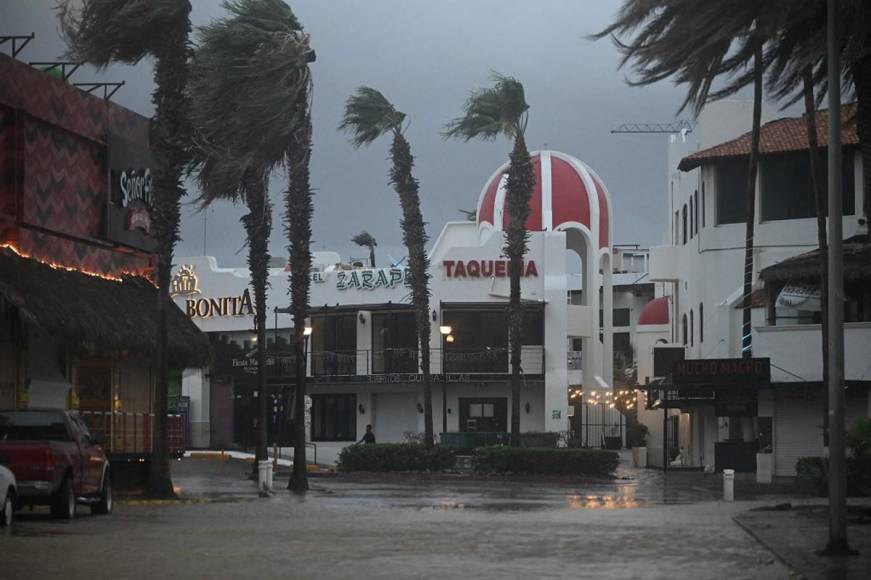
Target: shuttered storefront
{"x":798,"y":426}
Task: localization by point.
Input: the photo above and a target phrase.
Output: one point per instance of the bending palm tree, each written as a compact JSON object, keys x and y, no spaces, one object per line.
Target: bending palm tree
{"x":106,"y":31}
{"x":298,"y":216}
{"x":369,"y":115}
{"x":502,"y":110}
{"x":247,"y":77}
{"x":367,"y":240}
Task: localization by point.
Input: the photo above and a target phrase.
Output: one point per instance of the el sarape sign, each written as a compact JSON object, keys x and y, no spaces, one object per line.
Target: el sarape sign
{"x":721,"y":372}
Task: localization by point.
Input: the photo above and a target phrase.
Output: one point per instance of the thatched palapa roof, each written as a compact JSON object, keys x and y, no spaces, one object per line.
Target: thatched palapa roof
{"x":100,"y":316}
{"x":857,"y":263}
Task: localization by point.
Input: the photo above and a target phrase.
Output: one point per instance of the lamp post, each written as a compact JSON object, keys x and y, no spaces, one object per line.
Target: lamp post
{"x":445,"y":331}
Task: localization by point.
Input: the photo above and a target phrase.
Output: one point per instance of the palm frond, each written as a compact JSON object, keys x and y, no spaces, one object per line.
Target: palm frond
{"x":369,"y":115}
{"x":104,"y":31}
{"x":489,"y":112}
{"x":365,"y":239}
{"x":247,"y":76}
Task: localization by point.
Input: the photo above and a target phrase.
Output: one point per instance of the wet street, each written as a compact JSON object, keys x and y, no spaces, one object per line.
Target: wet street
{"x":629,"y":528}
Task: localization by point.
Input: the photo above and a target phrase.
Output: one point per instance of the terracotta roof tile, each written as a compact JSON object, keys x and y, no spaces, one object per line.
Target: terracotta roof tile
{"x":780,"y":136}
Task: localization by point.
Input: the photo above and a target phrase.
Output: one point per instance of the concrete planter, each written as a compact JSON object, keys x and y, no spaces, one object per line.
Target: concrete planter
{"x":639,"y":456}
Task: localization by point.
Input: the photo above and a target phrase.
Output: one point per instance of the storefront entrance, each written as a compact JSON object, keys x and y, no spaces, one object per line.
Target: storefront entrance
{"x":484,"y":415}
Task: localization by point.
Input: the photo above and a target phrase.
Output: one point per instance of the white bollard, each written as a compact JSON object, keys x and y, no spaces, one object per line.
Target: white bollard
{"x":729,"y":484}
{"x":264,"y":477}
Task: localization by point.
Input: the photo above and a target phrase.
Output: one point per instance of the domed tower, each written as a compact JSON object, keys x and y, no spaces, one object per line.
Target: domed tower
{"x":568,"y":196}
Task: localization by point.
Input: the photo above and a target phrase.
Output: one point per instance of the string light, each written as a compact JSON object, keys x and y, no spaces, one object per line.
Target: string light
{"x":56,"y":266}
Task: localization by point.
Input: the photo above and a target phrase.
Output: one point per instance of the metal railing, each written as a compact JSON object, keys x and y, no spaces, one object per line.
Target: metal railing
{"x":492,"y":360}
{"x":132,"y":433}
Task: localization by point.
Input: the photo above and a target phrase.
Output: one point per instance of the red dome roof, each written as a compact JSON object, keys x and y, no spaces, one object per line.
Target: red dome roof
{"x":560,"y":196}
{"x":655,"y":312}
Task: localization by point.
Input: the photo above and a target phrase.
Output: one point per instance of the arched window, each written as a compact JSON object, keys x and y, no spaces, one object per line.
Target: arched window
{"x":684,"y":329}
{"x":692,"y":224}
{"x":696,"y":215}
{"x":692,"y":328}
{"x":701,"y":322}
{"x":703,"y":204}
{"x":684,"y":223}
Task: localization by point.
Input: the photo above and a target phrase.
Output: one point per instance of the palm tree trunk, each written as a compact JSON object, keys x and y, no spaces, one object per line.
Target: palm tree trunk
{"x":862,"y":81}
{"x":519,"y":190}
{"x":298,"y":216}
{"x":414,"y":236}
{"x":258,"y":225}
{"x":750,"y":206}
{"x":822,"y":210}
{"x":169,"y":135}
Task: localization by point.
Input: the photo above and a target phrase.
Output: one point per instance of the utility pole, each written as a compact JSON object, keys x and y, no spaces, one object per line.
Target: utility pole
{"x":835,"y":381}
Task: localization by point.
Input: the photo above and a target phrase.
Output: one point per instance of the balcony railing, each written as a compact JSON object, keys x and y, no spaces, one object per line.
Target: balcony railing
{"x":494,"y":360}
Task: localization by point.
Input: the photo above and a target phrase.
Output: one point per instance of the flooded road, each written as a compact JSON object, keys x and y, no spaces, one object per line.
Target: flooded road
{"x":629,"y":528}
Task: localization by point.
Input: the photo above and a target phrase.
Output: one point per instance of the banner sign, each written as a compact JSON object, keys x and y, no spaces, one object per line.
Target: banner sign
{"x":131,"y":194}
{"x":721,"y":372}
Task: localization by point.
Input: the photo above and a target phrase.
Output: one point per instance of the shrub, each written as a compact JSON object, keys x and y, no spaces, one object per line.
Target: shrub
{"x":395,"y":457}
{"x":543,"y":440}
{"x":563,"y":461}
{"x":812,"y":474}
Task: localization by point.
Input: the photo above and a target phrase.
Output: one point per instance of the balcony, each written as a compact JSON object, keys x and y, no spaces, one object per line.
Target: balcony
{"x":347,"y":364}
{"x":796,"y":351}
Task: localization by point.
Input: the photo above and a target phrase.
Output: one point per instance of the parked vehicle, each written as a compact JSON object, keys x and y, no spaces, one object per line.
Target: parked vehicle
{"x":8,"y":493}
{"x":56,"y":461}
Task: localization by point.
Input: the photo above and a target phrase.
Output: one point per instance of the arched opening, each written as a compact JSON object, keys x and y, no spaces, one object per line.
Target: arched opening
{"x":684,"y":333}
{"x":701,"y":322}
{"x":692,"y":329}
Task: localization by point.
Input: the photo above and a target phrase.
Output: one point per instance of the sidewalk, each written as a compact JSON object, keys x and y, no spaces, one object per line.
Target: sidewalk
{"x":796,"y":533}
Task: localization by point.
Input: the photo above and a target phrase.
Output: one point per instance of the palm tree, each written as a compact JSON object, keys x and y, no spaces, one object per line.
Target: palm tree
{"x":104,"y":31}
{"x":368,"y":116}
{"x":367,"y":240}
{"x":247,"y":77}
{"x":298,"y":216}
{"x":487,"y":113}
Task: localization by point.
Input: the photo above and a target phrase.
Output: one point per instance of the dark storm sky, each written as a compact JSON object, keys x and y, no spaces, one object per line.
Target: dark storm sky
{"x":426,"y":56}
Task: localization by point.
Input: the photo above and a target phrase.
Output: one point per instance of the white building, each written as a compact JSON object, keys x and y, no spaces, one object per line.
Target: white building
{"x":363,"y":356}
{"x":700,"y":268}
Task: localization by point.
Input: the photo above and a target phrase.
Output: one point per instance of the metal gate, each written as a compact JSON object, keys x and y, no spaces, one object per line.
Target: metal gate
{"x":598,"y":425}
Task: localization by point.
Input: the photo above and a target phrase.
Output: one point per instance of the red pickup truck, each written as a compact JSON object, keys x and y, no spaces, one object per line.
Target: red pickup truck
{"x":55,"y":460}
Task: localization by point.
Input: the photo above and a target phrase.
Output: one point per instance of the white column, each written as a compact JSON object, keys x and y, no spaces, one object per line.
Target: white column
{"x":555,"y":331}
{"x":608,"y":321}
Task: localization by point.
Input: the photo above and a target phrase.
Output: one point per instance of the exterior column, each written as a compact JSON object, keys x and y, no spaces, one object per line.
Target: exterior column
{"x":608,"y":321}
{"x":556,"y":378}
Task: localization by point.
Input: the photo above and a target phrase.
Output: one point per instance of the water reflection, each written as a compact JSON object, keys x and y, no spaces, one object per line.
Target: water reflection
{"x":608,"y":501}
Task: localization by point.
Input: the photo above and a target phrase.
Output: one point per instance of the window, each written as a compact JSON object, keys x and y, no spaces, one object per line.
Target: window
{"x":533,"y":327}
{"x":684,"y":329}
{"x":676,"y":227}
{"x":696,"y":214}
{"x":701,"y":322}
{"x":394,"y":344}
{"x":692,"y":224}
{"x":480,"y":342}
{"x":683,"y":222}
{"x":623,"y":346}
{"x":619,"y":317}
{"x":692,"y":328}
{"x":787,"y":191}
{"x":334,"y":344}
{"x":334,"y":417}
{"x":703,"y":204}
{"x":731,"y":190}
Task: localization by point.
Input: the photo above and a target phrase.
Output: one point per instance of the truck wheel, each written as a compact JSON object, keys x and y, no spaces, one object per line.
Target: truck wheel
{"x":64,"y":505}
{"x":104,"y":506}
{"x":7,"y":514}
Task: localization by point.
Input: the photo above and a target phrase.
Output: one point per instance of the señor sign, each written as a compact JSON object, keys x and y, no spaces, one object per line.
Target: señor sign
{"x":713,"y":372}
{"x":486,"y":268}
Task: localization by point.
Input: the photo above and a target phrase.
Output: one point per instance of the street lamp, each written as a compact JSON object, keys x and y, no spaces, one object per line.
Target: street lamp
{"x":446,"y":336}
